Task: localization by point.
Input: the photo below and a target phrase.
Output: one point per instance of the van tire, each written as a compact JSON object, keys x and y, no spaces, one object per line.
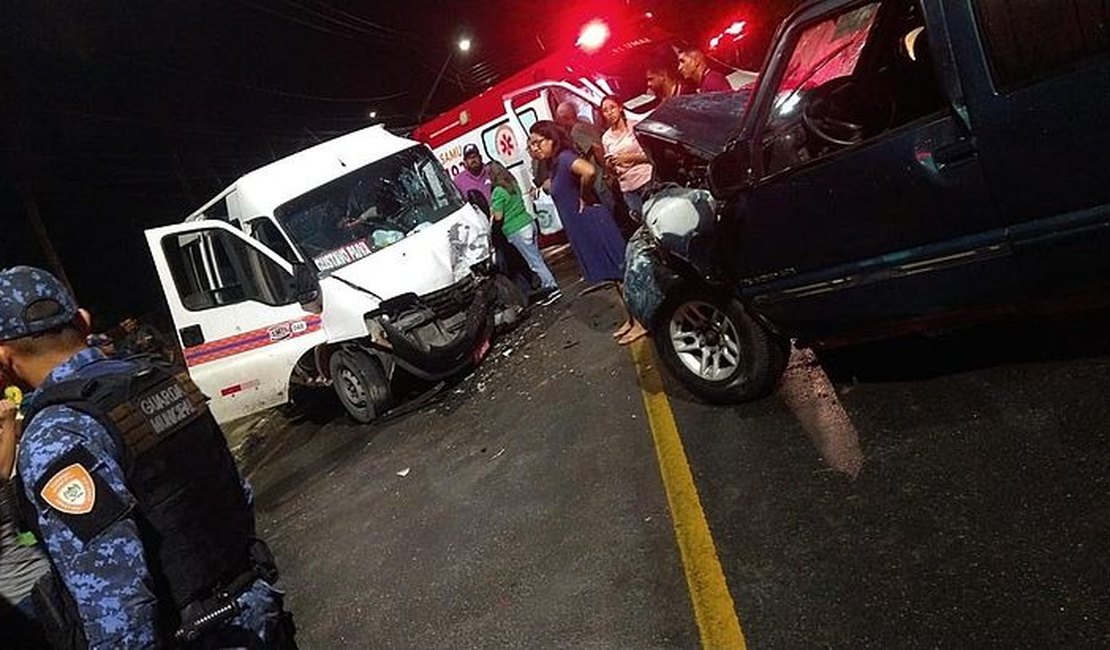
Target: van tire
{"x":716,"y":349}
{"x":361,"y":385}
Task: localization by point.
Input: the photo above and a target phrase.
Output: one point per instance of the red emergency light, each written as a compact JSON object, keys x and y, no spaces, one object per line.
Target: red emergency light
{"x":594,"y":34}
{"x":730,"y":34}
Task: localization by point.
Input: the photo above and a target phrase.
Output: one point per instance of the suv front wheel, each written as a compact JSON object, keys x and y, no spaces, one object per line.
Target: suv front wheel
{"x":716,"y":350}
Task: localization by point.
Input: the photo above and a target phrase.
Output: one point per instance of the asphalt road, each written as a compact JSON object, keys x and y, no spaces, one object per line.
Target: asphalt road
{"x":979,"y":517}
{"x":521,"y":506}
{"x":945,"y":492}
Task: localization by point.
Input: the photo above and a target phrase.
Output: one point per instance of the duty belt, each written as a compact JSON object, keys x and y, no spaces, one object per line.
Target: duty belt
{"x":202,"y":616}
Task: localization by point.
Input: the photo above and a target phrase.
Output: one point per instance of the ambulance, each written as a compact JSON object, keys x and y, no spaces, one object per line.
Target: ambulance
{"x":345,"y":264}
{"x":497,"y":120}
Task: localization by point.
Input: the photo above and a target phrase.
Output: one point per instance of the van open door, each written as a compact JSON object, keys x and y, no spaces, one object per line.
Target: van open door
{"x":237,"y":319}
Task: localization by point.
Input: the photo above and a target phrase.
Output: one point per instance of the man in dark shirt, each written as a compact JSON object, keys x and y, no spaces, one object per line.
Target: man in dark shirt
{"x":662,"y":76}
{"x":694,"y":67}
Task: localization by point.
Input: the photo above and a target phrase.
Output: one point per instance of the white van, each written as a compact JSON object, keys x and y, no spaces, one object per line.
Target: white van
{"x":342,"y":264}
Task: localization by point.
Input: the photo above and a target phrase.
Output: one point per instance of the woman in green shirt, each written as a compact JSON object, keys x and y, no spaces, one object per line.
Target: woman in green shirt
{"x":508,"y":212}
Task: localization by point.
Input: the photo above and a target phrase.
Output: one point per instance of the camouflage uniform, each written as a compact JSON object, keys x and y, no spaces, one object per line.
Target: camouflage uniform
{"x":105,"y":569}
{"x":107,"y":576}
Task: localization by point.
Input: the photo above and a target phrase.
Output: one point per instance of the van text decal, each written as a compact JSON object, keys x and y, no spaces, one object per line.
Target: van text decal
{"x":342,"y":256}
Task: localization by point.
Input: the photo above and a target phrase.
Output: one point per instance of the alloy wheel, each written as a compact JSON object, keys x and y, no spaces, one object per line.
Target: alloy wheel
{"x":705,"y":340}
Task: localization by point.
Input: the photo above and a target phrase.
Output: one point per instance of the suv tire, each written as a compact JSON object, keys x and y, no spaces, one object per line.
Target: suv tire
{"x":716,"y":350}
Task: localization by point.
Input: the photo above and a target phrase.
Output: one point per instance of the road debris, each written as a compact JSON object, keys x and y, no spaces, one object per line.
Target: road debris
{"x":403,"y":473}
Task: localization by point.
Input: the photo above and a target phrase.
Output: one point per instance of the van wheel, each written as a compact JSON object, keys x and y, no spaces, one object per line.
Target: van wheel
{"x":716,"y":350}
{"x":360,"y":384}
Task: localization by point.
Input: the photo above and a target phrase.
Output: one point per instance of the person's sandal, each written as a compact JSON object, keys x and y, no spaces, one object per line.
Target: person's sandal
{"x":622,"y":330}
{"x":632,"y":337}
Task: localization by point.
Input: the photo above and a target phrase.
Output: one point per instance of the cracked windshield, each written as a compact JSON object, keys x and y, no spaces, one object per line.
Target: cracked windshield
{"x":370,"y":208}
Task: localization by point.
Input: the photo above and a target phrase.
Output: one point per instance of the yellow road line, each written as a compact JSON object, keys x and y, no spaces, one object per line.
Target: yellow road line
{"x":714,"y":610}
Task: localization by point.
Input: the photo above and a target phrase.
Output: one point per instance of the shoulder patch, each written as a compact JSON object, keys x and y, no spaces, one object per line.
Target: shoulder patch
{"x":70,"y":490}
{"x":78,"y":496}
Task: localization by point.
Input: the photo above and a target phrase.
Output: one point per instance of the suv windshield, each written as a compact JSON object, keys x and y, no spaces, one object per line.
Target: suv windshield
{"x":369,"y":208}
{"x":825,"y":51}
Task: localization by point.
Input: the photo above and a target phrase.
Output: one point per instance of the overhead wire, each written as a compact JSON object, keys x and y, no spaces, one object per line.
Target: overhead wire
{"x":295,"y":19}
{"x":396,"y":36}
{"x":365,"y":21}
{"x":262,"y":89}
{"x":344,"y":22}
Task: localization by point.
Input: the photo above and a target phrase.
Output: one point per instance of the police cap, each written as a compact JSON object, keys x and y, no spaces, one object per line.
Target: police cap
{"x":32,"y":301}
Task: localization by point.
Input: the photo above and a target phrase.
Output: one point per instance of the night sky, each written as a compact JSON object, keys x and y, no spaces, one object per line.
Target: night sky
{"x":119,"y":116}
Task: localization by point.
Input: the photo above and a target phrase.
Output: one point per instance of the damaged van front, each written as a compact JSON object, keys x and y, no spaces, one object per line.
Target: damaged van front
{"x":341,"y":265}
{"x":410,"y":250}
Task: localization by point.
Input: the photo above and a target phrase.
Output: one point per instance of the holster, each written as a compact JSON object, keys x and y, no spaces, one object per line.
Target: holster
{"x":203,"y":616}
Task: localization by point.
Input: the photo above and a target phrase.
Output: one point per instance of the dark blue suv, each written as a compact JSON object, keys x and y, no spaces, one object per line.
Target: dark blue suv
{"x":899,"y":166}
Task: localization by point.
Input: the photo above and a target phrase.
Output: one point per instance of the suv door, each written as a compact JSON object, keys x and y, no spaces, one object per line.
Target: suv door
{"x":868,"y":205}
{"x":240,"y":329}
{"x":1037,"y":78}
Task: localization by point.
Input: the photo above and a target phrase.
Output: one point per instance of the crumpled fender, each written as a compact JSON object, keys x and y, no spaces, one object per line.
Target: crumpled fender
{"x":674,"y":241}
{"x":647,"y":278}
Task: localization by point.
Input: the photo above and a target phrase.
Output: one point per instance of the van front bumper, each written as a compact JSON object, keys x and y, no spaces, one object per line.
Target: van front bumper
{"x":442,"y":333}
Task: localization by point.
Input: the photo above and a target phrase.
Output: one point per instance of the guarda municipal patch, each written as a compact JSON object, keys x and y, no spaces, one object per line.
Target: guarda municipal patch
{"x":71,"y":490}
{"x":167,"y":407}
{"x":78,"y":496}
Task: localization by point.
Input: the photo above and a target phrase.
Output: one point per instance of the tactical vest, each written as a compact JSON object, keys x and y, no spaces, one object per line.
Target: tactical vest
{"x":192,"y":514}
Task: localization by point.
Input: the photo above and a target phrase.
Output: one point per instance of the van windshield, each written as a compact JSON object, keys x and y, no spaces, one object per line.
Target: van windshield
{"x":369,"y":208}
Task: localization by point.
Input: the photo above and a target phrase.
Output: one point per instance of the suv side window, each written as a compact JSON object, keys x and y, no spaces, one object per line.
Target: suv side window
{"x":213,"y":268}
{"x":1030,"y":40}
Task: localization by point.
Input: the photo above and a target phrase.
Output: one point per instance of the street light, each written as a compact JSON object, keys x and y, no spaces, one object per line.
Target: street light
{"x":464,"y":46}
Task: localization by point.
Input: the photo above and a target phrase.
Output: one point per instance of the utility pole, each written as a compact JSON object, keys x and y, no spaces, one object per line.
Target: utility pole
{"x":47,"y":246}
{"x":463,"y":46}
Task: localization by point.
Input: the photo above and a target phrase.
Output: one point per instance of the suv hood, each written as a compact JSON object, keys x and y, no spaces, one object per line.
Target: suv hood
{"x":703,"y":123}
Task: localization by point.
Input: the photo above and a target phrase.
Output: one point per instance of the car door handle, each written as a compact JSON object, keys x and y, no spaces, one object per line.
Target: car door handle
{"x":956,"y":152}
{"x":191,"y":336}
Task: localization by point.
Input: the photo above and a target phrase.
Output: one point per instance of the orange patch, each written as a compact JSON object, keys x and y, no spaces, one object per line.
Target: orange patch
{"x":71,"y":491}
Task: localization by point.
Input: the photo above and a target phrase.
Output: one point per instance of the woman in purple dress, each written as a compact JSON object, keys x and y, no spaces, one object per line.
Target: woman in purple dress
{"x":594,"y":237}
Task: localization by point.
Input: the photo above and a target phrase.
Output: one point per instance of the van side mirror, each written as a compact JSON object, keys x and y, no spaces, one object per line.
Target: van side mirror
{"x":306,"y":287}
{"x":731,"y":170}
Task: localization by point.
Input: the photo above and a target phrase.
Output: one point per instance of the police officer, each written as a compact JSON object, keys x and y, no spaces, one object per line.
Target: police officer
{"x":128,"y":481}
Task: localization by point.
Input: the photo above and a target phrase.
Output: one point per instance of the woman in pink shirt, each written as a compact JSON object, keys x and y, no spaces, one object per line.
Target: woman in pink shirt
{"x":625,"y":157}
